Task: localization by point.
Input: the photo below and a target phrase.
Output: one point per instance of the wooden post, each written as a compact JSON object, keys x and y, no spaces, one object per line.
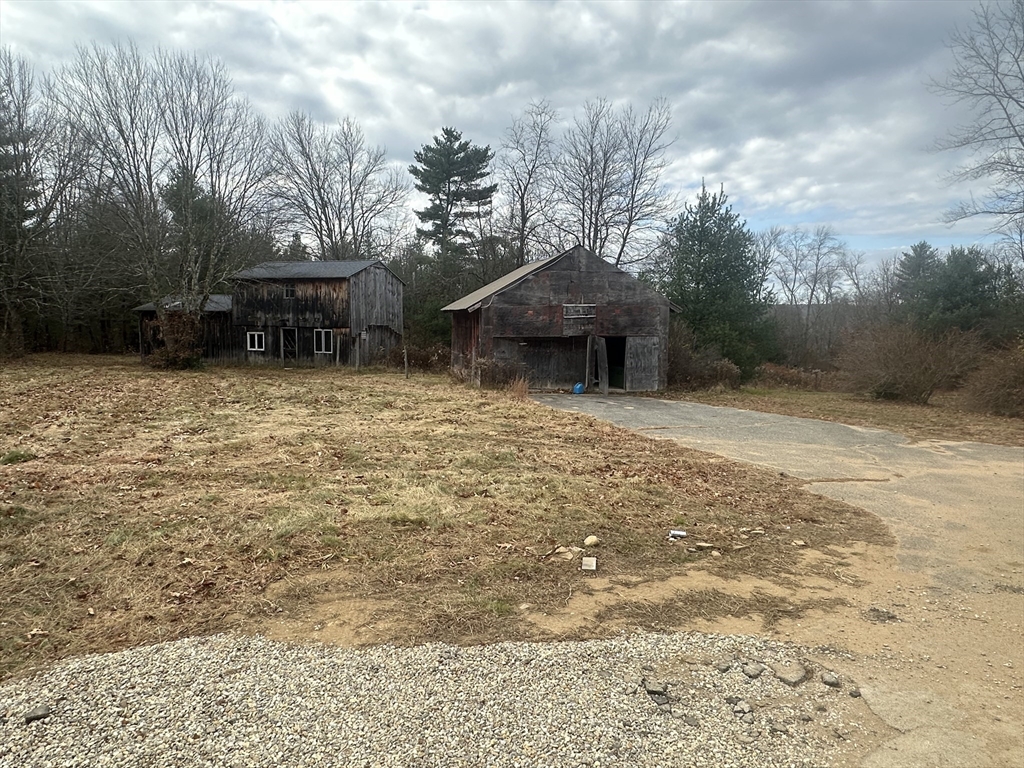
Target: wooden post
{"x":588,"y":374}
{"x":602,"y":364}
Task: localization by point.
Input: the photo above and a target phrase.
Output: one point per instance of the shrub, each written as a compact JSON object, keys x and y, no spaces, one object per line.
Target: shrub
{"x":182,"y":348}
{"x":997,"y":387}
{"x":897,"y":362}
{"x":692,"y":366}
{"x":781,"y":376}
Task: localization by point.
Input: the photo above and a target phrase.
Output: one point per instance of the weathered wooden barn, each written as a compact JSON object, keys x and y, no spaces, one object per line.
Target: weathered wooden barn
{"x":342,"y":312}
{"x":303,"y":312}
{"x":572,"y":318}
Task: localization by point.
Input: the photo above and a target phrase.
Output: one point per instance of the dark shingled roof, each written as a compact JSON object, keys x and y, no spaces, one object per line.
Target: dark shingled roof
{"x":303,"y":270}
{"x":218,"y":302}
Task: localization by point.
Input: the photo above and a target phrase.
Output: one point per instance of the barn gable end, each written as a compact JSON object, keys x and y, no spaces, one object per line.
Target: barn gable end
{"x":571,"y":318}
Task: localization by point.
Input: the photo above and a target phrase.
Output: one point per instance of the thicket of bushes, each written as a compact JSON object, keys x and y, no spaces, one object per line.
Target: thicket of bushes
{"x":692,"y":366}
{"x":783,"y":376}
{"x":997,"y":386}
{"x":899,"y":362}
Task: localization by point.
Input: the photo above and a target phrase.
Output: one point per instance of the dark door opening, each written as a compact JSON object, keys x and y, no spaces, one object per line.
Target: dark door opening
{"x":616,"y":361}
{"x":289,"y":344}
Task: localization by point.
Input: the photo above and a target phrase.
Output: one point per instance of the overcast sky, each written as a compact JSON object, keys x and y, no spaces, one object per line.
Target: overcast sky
{"x":807,"y":112}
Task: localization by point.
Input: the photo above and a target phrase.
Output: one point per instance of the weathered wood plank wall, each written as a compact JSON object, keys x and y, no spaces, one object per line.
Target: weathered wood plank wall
{"x":570,"y":300}
{"x":316,"y":304}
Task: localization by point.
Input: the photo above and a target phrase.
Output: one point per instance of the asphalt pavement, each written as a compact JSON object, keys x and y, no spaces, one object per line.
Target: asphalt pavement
{"x":955,"y":508}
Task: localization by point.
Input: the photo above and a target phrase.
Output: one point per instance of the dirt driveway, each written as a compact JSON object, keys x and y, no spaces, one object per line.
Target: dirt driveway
{"x":935,"y":629}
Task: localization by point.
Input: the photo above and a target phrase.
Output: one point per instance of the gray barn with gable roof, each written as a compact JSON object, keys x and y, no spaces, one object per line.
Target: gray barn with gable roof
{"x":570,"y":318}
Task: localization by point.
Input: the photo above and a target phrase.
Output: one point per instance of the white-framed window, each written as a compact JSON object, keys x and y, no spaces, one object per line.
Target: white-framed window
{"x":256,"y":341}
{"x":579,"y":310}
{"x":289,"y":291}
{"x":323,"y":341}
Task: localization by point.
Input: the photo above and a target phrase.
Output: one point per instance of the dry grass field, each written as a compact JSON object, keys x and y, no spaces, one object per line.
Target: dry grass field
{"x":943,"y":418}
{"x":140,"y":505}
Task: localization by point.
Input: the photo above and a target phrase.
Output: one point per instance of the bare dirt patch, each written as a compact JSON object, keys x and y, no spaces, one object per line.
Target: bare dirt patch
{"x":157,"y":505}
{"x":944,"y":418}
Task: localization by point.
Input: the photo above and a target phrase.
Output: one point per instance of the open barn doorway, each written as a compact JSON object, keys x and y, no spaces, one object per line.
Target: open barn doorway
{"x":606,"y":357}
{"x":616,"y":361}
{"x":289,"y":344}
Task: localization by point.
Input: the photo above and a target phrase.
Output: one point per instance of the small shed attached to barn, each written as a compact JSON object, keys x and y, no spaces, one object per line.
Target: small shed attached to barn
{"x":570,"y":318}
{"x":217,"y":332}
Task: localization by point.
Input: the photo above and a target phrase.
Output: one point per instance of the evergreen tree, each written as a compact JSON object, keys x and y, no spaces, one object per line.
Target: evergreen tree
{"x":19,"y":198}
{"x":915,"y":272}
{"x":449,"y":172}
{"x":296,"y":250}
{"x":961,"y":293}
{"x":710,"y":268}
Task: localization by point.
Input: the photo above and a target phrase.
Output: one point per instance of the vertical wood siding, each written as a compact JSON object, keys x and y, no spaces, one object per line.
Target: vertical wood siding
{"x":317,"y":304}
{"x":363,"y":311}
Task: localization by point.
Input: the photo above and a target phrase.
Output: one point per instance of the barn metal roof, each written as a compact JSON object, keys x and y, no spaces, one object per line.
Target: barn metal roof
{"x":218,"y":302}
{"x":472,"y":301}
{"x":300,"y":270}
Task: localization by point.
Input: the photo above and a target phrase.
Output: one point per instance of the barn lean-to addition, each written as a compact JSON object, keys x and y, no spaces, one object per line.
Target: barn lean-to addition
{"x":301,"y":312}
{"x":570,"y":318}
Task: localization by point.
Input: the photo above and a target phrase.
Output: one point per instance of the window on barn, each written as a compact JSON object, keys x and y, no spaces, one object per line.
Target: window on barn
{"x":255,"y":341}
{"x":323,"y":340}
{"x":579,"y":310}
{"x":289,"y":291}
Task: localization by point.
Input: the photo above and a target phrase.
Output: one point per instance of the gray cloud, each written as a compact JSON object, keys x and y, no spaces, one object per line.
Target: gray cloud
{"x":806,"y":112}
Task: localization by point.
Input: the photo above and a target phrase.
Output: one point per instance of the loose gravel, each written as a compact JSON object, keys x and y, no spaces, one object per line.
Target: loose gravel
{"x":241,"y":702}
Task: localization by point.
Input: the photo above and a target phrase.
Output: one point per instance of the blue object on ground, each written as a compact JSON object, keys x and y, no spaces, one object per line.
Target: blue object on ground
{"x":578,"y":389}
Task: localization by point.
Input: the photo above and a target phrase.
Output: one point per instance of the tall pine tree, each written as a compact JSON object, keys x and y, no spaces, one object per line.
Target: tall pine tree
{"x":449,"y":171}
{"x":710,"y":268}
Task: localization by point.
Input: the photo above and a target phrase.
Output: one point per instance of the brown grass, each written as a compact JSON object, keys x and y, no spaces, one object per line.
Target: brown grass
{"x":945,"y":417}
{"x":155,"y":505}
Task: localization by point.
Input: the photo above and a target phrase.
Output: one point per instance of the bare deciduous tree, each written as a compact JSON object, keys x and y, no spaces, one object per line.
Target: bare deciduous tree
{"x":113,"y":92}
{"x":645,"y":204}
{"x":217,"y":147}
{"x":340,"y":190}
{"x":42,"y":156}
{"x":766,"y":251}
{"x":527,"y":163}
{"x":609,"y":179}
{"x":808,"y":269}
{"x":590,"y":173}
{"x":376,"y":194}
{"x":988,"y":76}
{"x":183,"y":156}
